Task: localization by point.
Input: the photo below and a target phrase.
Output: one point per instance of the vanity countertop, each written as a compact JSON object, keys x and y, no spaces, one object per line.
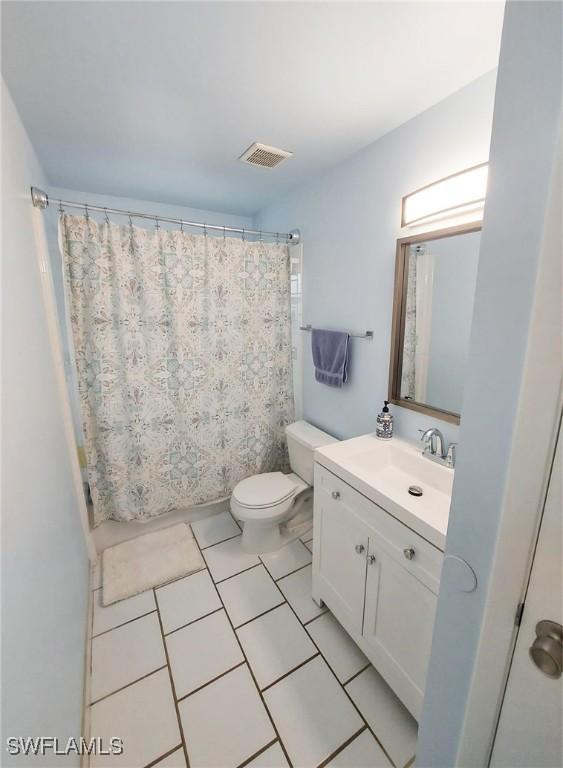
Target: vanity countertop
{"x":383,"y":470}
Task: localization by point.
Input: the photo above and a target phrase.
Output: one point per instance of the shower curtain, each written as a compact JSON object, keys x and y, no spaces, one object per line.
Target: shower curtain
{"x":182,"y":345}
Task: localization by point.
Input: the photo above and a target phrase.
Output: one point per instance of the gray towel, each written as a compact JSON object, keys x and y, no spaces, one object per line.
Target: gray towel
{"x":330,"y":356}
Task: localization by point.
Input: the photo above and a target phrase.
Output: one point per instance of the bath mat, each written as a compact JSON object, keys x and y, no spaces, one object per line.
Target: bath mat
{"x":148,"y":561}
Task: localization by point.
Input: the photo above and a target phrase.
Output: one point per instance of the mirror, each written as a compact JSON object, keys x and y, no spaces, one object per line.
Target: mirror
{"x":435,"y":278}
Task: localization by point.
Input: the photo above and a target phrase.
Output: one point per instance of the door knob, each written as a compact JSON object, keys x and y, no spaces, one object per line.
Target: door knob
{"x":359,"y":548}
{"x":371,"y":559}
{"x":547,"y":649}
{"x":409,"y":553}
{"x":336,"y":494}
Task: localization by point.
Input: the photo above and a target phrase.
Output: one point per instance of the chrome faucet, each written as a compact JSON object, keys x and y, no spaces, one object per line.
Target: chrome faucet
{"x":434,"y":447}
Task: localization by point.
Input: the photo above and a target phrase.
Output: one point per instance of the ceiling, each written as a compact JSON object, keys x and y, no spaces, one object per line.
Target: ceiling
{"x":156,"y":100}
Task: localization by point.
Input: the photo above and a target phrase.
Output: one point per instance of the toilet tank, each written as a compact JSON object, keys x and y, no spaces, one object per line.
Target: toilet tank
{"x":302,"y":440}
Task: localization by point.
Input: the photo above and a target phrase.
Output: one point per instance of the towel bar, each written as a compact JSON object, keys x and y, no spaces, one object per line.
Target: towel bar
{"x":365,"y":335}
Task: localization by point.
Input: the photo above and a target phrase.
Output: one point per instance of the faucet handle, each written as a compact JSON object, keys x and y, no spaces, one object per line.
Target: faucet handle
{"x":451,"y":455}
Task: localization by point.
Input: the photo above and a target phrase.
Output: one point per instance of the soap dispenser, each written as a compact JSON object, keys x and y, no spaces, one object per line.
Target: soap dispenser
{"x":384,"y":424}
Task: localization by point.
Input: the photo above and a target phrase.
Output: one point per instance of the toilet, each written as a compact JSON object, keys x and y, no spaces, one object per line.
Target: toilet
{"x":263,"y":503}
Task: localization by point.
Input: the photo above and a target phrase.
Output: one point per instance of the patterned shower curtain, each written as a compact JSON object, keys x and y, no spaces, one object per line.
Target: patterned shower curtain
{"x":183,"y":353}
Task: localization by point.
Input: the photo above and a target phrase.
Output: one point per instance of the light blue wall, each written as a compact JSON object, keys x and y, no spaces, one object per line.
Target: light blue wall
{"x":44,"y":561}
{"x":350,"y":220}
{"x":455,"y":273}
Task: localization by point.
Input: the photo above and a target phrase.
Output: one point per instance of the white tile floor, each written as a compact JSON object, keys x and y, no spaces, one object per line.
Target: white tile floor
{"x":236,"y":666}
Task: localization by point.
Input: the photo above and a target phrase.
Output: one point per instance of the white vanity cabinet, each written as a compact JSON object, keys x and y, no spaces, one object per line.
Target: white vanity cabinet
{"x":380,"y":579}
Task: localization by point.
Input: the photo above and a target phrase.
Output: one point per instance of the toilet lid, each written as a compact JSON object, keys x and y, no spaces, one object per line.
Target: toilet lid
{"x":264,"y":490}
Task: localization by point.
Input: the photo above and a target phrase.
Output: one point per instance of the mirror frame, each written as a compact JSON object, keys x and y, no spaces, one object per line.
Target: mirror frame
{"x":398,"y":320}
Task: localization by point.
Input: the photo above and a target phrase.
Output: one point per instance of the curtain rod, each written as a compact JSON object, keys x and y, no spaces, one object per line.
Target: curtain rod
{"x":40,"y":199}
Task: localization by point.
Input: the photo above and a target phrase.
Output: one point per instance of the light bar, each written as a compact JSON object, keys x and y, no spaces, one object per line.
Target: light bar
{"x":459,"y":193}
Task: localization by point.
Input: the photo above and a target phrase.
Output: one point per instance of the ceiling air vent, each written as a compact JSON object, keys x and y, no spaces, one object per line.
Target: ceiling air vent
{"x":262,"y":154}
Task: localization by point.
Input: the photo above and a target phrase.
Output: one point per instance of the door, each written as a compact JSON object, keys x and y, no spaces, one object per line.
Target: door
{"x":343,"y":544}
{"x":398,"y":623}
{"x":529,"y":733}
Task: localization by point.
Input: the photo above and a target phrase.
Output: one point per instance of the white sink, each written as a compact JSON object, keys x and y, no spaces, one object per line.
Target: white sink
{"x":384,"y":470}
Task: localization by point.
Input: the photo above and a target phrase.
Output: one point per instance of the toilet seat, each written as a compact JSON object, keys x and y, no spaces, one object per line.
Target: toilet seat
{"x":265,"y":500}
{"x":264,"y":491}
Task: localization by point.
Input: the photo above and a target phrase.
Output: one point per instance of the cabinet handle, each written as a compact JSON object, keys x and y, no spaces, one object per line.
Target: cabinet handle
{"x":409,"y":553}
{"x":359,"y":548}
{"x":371,"y":559}
{"x":336,"y":494}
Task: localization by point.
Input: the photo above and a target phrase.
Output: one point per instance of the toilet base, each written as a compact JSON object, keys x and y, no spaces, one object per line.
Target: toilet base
{"x":259,"y":539}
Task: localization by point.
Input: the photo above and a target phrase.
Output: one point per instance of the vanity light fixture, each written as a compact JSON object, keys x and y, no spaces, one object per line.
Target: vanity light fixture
{"x":461,"y":193}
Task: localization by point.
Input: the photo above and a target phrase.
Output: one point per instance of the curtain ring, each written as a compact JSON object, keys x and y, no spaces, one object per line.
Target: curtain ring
{"x":130,"y":222}
{"x":243,"y":237}
{"x":86,"y":214}
{"x":106,"y":215}
{"x":277,"y":238}
{"x":61,"y":209}
{"x":205,"y":230}
{"x":224,"y":235}
{"x":156,"y":223}
{"x":181,"y":225}
{"x":261,"y":238}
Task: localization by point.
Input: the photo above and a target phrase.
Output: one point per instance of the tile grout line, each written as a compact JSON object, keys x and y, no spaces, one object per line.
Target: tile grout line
{"x":304,"y":543}
{"x":304,"y":625}
{"x":258,"y":616}
{"x":213,"y":680}
{"x":257,"y":754}
{"x":163,"y":757}
{"x":180,"y":726}
{"x":290,"y":572}
{"x":290,"y":672}
{"x":310,"y":621}
{"x":123,"y":687}
{"x":274,"y":726}
{"x":356,"y":674}
{"x":205,"y":616}
{"x":287,"y":575}
{"x":232,"y":576}
{"x":124,"y":623}
{"x":208,"y":546}
{"x":342,"y":747}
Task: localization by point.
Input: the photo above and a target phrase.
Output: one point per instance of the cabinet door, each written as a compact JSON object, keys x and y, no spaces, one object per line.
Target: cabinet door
{"x":341,"y":554}
{"x":398,"y":624}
